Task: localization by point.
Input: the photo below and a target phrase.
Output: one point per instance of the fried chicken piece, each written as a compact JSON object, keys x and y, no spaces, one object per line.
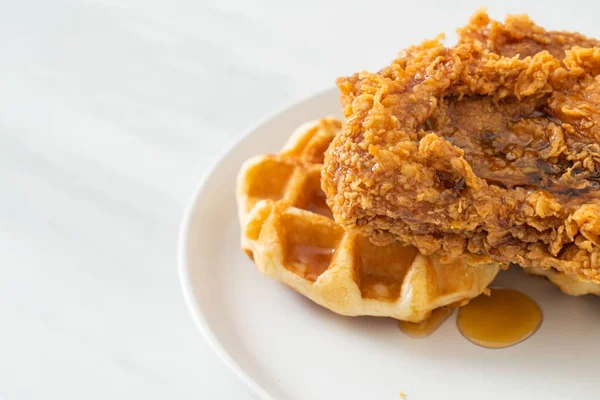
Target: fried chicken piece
{"x":491,"y":146}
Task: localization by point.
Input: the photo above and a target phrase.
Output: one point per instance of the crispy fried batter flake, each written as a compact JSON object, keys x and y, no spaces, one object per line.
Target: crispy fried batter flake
{"x":491,"y":146}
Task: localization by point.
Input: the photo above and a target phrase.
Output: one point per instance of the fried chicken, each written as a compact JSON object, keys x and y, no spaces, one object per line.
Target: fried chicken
{"x":490,"y":147}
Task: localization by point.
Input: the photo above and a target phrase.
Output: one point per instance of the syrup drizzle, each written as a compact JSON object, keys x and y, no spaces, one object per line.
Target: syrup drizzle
{"x":427,"y":327}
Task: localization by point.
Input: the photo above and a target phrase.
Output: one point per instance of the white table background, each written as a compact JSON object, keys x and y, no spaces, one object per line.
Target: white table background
{"x":110,"y":112}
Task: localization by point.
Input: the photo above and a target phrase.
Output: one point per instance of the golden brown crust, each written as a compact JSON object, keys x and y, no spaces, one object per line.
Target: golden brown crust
{"x":490,"y":146}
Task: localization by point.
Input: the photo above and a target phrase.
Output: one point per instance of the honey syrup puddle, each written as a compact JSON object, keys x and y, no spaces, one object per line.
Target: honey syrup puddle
{"x":425,"y":328}
{"x":317,"y":203}
{"x":504,"y":318}
{"x":315,"y":258}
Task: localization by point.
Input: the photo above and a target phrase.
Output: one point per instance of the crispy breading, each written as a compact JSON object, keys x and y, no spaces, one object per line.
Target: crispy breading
{"x":491,"y":146}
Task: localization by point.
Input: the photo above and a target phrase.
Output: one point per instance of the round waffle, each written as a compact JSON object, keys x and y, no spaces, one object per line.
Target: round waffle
{"x":289,"y":233}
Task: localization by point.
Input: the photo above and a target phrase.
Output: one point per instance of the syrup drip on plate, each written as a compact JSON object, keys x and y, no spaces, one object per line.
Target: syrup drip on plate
{"x":425,"y":328}
{"x":502,"y":319}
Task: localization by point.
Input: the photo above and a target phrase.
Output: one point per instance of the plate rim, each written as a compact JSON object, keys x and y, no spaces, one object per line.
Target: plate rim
{"x":183,"y":265}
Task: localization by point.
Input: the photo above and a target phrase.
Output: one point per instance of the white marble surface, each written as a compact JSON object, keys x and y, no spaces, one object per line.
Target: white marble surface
{"x":111,"y":111}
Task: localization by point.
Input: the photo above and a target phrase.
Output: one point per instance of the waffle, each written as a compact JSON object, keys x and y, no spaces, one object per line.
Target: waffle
{"x":568,"y":284}
{"x":289,"y":233}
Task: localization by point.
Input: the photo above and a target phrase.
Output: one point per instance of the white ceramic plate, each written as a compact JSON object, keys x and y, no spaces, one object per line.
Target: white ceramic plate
{"x":285,"y":347}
